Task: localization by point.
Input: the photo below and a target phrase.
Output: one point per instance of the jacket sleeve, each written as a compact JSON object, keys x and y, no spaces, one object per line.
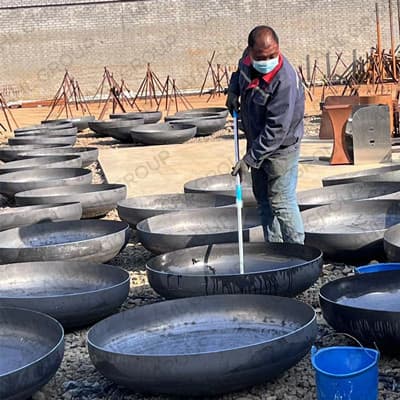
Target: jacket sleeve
{"x":279,"y":115}
{"x":234,"y":83}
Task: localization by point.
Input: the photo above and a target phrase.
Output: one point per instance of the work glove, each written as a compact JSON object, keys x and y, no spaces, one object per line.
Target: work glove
{"x":240,"y":168}
{"x":232,"y":102}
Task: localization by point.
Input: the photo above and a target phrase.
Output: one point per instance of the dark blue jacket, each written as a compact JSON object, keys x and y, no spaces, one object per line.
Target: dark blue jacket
{"x":271,"y":109}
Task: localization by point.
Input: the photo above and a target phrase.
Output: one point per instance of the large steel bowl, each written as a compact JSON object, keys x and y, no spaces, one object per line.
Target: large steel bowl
{"x":57,"y":121}
{"x":350,"y":191}
{"x":81,"y":123}
{"x":222,"y":184}
{"x":59,"y":161}
{"x":391,"y":241}
{"x":42,"y":139}
{"x":53,"y":124}
{"x":12,"y":153}
{"x":182,"y":229}
{"x":150,"y":117}
{"x":168,"y":133}
{"x":137,"y":209}
{"x":206,"y":123}
{"x":116,"y":128}
{"x":31,"y":349}
{"x":280,"y":269}
{"x":202,"y":346}
{"x":121,"y":129}
{"x":222,"y":111}
{"x":351,"y":231}
{"x":96,"y":199}
{"x":374,"y":175}
{"x":48,"y":132}
{"x":15,"y":182}
{"x":366,"y":306}
{"x":95,"y":241}
{"x":87,"y":154}
{"x":75,"y":293}
{"x":45,"y":127}
{"x":14,"y":217}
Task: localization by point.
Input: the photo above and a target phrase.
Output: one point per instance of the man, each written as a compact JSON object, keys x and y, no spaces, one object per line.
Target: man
{"x":272,"y":111}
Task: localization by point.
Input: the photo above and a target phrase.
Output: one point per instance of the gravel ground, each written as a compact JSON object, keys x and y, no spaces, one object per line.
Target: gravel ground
{"x":78,"y":379}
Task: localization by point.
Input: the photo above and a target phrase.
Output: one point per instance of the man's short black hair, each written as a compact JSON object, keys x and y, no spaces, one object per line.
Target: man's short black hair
{"x":261,"y":29}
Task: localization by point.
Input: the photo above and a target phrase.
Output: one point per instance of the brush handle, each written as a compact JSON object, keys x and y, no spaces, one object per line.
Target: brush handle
{"x":239,"y":195}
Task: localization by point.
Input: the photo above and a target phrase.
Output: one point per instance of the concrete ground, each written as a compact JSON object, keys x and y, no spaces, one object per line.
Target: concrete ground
{"x":164,"y":169}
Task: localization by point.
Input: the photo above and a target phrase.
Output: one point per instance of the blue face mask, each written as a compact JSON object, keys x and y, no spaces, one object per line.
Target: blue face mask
{"x":265,"y":66}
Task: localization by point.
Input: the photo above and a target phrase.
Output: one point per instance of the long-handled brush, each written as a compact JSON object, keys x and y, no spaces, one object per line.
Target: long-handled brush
{"x":239,"y":196}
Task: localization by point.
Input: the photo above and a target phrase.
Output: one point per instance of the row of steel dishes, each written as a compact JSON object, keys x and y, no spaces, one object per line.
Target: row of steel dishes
{"x":52,"y":251}
{"x":144,"y":127}
{"x":243,"y":338}
{"x":356,"y":221}
{"x":52,"y":238}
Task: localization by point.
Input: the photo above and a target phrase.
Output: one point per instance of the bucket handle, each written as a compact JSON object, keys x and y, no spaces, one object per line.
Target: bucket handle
{"x":314,"y":348}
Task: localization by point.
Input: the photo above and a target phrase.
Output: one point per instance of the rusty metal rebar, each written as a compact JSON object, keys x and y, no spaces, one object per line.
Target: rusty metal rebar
{"x":398,"y":14}
{"x":8,"y":115}
{"x":378,"y":29}
{"x":67,"y":93}
{"x":172,"y":93}
{"x":392,"y":43}
{"x":208,"y":71}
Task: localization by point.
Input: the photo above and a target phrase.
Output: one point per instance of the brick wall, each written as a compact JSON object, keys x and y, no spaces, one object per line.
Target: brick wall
{"x":175,"y":36}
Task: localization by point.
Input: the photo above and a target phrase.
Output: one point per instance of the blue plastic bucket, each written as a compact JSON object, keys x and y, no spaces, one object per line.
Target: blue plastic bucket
{"x":346,"y":373}
{"x":367,"y":269}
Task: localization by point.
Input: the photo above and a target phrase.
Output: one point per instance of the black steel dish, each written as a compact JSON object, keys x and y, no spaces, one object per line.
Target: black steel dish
{"x":31,"y":348}
{"x":367,"y":306}
{"x":204,"y":345}
{"x":374,"y":175}
{"x":96,"y":199}
{"x":75,"y":293}
{"x":57,"y":161}
{"x":280,"y":269}
{"x":137,"y":209}
{"x":350,"y":191}
{"x":14,"y":217}
{"x":182,"y":229}
{"x":87,"y":154}
{"x":168,"y":133}
{"x":351,"y":231}
{"x":222,"y":184}
{"x":95,"y":241}
{"x":15,"y":182}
